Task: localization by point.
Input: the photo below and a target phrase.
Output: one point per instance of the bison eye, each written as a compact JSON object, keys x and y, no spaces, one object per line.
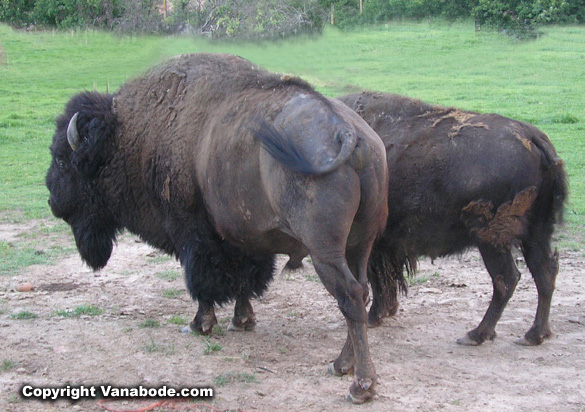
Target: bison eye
{"x":61,"y":164}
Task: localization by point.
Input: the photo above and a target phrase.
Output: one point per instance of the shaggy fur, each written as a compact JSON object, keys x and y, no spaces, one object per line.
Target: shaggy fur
{"x":179,"y":157}
{"x":460,"y":179}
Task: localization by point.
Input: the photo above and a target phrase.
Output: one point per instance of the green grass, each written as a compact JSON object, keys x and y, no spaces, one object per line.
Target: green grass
{"x":234,"y":377}
{"x":211,"y":347}
{"x":149,"y":323}
{"x":158,"y":258}
{"x":177,"y":320}
{"x":8,"y":364}
{"x":168,"y":275}
{"x":23,"y":315}
{"x":540,"y":81}
{"x":14,"y":256}
{"x":172,"y":293}
{"x":419,"y":280}
{"x":86,"y":310}
{"x":152,"y":347}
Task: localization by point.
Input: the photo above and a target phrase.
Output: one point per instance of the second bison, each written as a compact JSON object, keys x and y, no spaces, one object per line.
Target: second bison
{"x":460,"y":179}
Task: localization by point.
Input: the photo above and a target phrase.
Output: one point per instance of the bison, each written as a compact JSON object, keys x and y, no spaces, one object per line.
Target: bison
{"x":460,"y":179}
{"x":223,"y":164}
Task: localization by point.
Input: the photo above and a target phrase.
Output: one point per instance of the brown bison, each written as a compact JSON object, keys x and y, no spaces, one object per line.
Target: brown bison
{"x":460,"y":179}
{"x":223,"y":164}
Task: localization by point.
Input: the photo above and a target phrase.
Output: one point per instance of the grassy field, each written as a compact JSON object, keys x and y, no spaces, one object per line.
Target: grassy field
{"x":540,"y":81}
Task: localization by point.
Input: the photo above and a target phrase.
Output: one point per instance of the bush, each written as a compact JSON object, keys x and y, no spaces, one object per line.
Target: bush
{"x":60,"y":13}
{"x":257,"y":19}
{"x":523,"y":17}
{"x":141,"y":16}
{"x":280,"y":18}
{"x":375,"y":11}
{"x":77,"y":13}
{"x":17,"y":12}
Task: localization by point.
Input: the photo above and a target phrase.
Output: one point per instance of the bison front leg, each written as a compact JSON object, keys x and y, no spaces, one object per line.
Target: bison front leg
{"x":204,"y":320}
{"x":244,"y":318}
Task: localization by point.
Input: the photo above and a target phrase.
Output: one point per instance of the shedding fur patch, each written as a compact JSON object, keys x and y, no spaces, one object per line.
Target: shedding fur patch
{"x":505,"y":225}
{"x":526,"y":142}
{"x":462,"y":118}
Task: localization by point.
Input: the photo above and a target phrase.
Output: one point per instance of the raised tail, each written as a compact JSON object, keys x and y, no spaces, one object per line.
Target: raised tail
{"x":285,"y":151}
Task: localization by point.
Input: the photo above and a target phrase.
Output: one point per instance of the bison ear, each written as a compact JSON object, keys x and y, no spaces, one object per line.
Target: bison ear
{"x":88,"y":137}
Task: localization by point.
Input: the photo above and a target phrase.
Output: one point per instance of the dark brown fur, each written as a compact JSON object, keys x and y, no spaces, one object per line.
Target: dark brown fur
{"x":223,"y":164}
{"x":460,"y":179}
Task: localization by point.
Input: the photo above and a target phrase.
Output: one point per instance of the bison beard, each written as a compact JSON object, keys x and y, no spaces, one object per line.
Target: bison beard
{"x":95,"y":241}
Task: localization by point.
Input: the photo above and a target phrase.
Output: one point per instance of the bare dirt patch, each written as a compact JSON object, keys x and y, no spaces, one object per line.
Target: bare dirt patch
{"x":282,"y":365}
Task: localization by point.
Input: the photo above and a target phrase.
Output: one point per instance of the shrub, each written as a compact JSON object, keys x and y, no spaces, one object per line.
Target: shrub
{"x":253,"y":19}
{"x":523,"y":17}
{"x":17,"y":12}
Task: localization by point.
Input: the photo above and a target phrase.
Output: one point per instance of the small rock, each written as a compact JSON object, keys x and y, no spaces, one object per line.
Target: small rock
{"x":434,"y":291}
{"x":25,"y":287}
{"x":575,"y":319}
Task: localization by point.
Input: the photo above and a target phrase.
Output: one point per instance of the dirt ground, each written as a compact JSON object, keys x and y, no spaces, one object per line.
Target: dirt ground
{"x":282,"y":365}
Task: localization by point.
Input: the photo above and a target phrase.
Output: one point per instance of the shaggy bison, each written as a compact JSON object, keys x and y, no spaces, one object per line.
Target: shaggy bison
{"x":460,"y":179}
{"x":223,"y":164}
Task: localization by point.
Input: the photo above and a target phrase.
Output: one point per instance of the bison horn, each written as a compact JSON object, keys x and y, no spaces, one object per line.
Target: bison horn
{"x":72,"y":134}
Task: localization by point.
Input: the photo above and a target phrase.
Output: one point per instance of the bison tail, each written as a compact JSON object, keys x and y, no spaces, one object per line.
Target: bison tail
{"x":284,"y":151}
{"x":386,"y":278}
{"x":554,"y":194}
{"x":560,"y":191}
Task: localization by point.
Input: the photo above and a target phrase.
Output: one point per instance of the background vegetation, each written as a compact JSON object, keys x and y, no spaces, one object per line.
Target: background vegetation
{"x":541,"y":81}
{"x":281,"y":18}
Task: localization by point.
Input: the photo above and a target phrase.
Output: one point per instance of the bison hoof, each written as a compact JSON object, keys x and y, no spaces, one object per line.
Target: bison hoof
{"x":529,"y":341}
{"x":361,"y":391}
{"x":242,"y":325}
{"x":245,"y":328}
{"x":335,"y":371}
{"x":467,"y":341}
{"x":374,"y":323}
{"x":525,"y":342}
{"x":204,"y":328}
{"x":332,"y":371}
{"x":534,"y":338}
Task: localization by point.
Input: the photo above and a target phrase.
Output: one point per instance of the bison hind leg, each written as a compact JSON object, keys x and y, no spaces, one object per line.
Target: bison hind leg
{"x":244,"y":317}
{"x":544,"y":266}
{"x":217,"y":272}
{"x":500,"y":264}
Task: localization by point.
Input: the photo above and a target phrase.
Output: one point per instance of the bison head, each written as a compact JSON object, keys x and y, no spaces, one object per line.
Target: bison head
{"x":80,"y":150}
